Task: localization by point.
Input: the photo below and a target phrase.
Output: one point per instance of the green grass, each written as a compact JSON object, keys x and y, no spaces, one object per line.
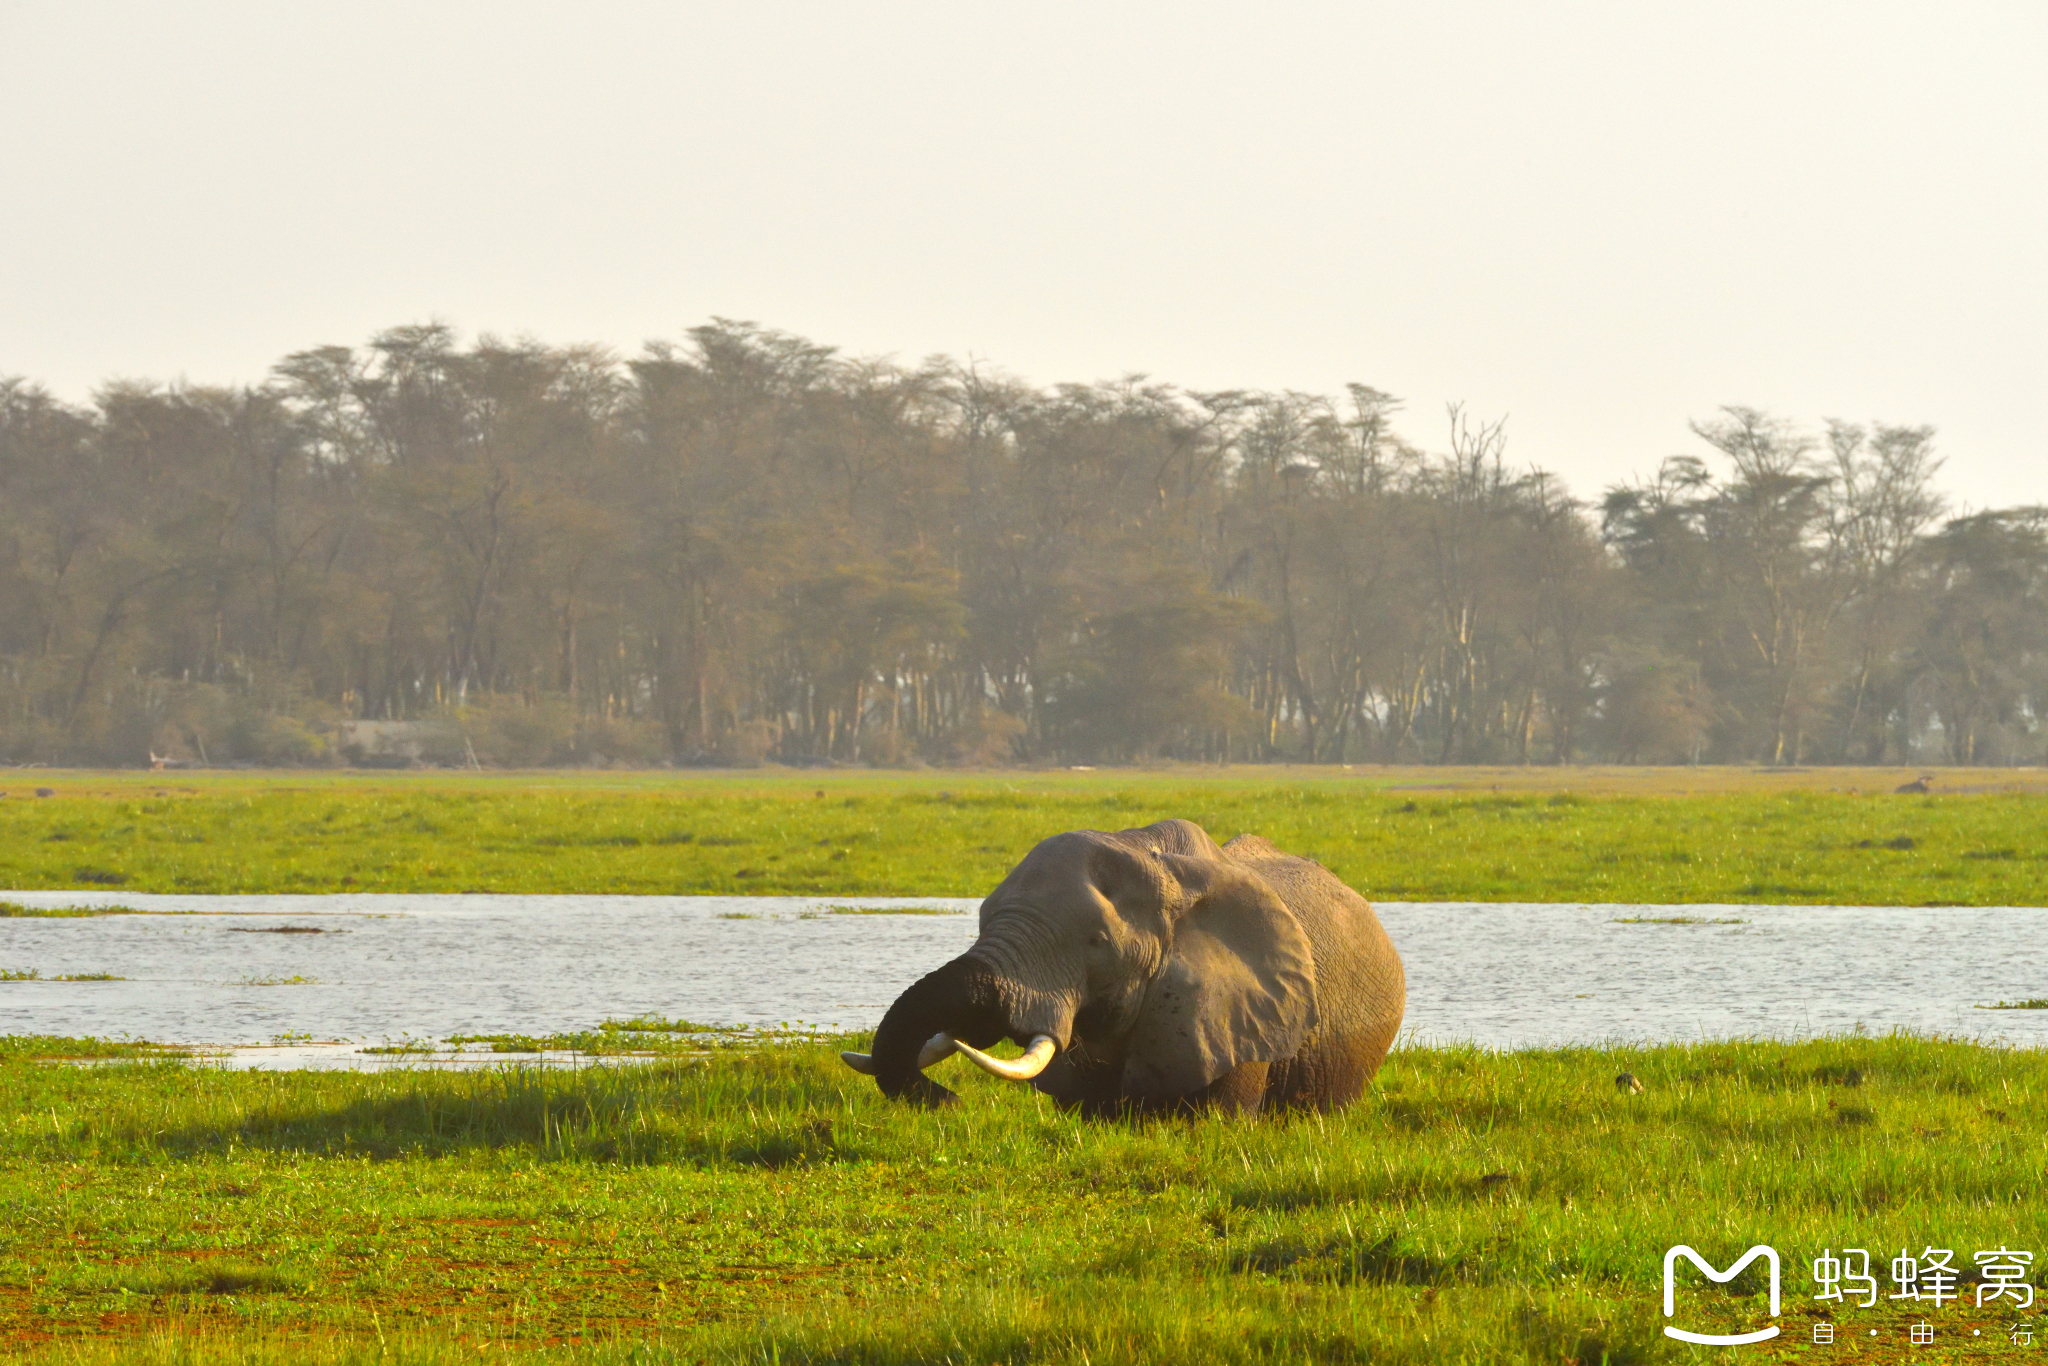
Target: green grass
{"x":767,"y":1205}
{"x":1747,"y":839}
{"x":15,"y":1047}
{"x":652,"y":1034}
{"x":662,"y":1024}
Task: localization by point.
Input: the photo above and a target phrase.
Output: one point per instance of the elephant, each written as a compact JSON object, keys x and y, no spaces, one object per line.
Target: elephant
{"x":1151,"y":970}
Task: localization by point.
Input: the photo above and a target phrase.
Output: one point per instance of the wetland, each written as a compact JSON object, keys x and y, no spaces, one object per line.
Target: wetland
{"x":1826,"y":1057}
{"x":331,"y":976}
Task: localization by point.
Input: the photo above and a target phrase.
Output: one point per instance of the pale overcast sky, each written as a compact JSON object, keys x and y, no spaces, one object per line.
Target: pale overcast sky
{"x":1598,"y":219}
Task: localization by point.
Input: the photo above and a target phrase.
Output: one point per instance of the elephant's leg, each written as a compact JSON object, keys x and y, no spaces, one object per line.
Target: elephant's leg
{"x":1328,"y":1075}
{"x":1240,"y":1091}
{"x":1085,"y":1078}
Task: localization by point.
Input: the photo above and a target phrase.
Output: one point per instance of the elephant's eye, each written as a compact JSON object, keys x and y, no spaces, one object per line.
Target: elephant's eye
{"x":1098,"y":938}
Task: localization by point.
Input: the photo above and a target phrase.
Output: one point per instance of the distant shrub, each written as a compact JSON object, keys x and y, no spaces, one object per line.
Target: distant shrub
{"x":745,"y":744}
{"x":505,"y":731}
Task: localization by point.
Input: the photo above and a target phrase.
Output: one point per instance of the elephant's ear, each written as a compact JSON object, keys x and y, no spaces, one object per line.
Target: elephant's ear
{"x":1238,"y":985}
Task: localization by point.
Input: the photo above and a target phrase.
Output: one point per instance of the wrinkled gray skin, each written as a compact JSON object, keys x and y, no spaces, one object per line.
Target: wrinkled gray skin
{"x":1171,"y":973}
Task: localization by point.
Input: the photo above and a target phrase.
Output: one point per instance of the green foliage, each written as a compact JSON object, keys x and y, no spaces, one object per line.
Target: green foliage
{"x":746,"y":547}
{"x":645,"y":1034}
{"x":10,"y":909}
{"x":768,"y":1205}
{"x":47,"y":1046}
{"x":872,"y":834}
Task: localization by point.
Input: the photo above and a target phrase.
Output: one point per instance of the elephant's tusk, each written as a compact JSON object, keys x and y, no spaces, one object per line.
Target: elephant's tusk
{"x":1035,"y":1058}
{"x":937,"y":1048}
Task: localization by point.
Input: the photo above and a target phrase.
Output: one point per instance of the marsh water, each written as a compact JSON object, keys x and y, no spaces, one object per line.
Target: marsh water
{"x":326,"y":975}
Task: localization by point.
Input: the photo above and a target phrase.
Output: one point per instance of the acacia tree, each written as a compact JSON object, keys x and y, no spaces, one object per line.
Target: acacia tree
{"x":1883,"y":503}
{"x":743,"y":546}
{"x":1983,"y":648}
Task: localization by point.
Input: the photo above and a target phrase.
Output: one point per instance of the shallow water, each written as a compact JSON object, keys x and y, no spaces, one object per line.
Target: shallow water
{"x":386,"y":968}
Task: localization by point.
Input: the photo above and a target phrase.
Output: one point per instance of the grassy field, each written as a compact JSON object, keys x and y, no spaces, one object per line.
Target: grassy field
{"x":1543,"y":834}
{"x":760,"y":1203}
{"x":769,"y":1206}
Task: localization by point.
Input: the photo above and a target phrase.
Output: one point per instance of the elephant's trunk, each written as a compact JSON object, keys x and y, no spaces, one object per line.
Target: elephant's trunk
{"x":962,"y":999}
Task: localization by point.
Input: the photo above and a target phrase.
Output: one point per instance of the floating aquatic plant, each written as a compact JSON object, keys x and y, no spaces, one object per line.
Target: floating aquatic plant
{"x":1675,"y":920}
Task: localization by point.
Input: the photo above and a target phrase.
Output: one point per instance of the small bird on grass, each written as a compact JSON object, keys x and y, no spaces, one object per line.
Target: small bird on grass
{"x":1627,"y":1082}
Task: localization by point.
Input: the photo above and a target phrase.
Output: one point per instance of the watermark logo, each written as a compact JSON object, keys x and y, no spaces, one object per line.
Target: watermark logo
{"x":1671,"y":1256}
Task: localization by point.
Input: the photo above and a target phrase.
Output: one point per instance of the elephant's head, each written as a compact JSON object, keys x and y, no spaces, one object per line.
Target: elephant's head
{"x":1138,"y":966}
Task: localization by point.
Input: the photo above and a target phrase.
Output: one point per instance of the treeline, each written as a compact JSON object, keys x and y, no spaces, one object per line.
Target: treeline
{"x":749,"y":548}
